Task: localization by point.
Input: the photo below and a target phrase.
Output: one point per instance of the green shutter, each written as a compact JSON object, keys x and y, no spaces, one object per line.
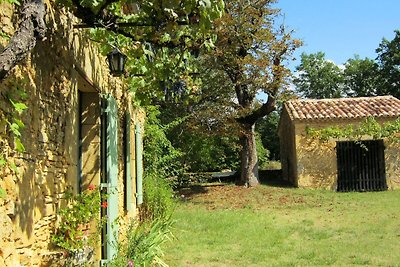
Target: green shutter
{"x":139,"y":165}
{"x":128,"y":174}
{"x":112,"y":176}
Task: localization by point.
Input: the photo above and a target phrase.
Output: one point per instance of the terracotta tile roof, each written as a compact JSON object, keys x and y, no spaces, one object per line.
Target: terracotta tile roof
{"x":343,"y":108}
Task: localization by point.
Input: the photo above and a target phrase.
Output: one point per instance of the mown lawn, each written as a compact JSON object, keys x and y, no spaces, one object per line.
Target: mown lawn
{"x":226,"y":225}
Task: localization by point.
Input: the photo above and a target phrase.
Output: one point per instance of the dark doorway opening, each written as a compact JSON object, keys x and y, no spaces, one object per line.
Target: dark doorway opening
{"x":361,"y":166}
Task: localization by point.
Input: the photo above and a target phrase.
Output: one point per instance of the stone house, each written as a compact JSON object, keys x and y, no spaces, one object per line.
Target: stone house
{"x":81,"y":128}
{"x":338,"y":163}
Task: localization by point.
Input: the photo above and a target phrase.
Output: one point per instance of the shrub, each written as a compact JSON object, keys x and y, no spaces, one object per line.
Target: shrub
{"x":73,"y":232}
{"x":161,"y":158}
{"x":143,"y":244}
{"x":158,"y":202}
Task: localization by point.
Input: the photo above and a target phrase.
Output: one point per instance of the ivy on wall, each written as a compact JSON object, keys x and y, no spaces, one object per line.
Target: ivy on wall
{"x":16,"y":2}
{"x":369,"y":127}
{"x":11,"y":126}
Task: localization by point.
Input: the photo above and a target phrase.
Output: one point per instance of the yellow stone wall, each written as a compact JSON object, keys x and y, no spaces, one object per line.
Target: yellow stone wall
{"x":313,"y":162}
{"x":52,"y":76}
{"x":392,"y":161}
{"x":287,"y":148}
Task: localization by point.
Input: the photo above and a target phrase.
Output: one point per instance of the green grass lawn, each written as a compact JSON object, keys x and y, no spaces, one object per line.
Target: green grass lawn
{"x":226,"y":225}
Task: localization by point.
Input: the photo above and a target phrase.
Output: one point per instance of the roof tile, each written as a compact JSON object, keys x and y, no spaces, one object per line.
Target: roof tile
{"x":343,"y":108}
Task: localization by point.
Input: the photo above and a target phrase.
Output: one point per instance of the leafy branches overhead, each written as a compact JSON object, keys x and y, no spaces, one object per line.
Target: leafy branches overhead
{"x":157,"y":36}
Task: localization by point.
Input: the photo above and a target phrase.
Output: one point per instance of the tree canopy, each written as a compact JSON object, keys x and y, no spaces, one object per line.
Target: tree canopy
{"x":318,"y":77}
{"x":389,"y":65}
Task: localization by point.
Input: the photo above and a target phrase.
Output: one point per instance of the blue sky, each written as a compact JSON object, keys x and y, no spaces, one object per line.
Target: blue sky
{"x":341,"y":28}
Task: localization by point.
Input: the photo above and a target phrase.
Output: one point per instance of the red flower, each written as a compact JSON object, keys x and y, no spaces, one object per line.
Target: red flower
{"x":104,"y":204}
{"x":92,"y":187}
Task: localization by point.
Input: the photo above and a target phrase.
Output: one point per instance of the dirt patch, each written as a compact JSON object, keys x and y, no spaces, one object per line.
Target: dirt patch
{"x":230,"y":196}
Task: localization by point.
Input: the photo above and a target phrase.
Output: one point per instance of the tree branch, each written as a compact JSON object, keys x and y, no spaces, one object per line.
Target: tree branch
{"x":270,"y":105}
{"x":31,"y":29}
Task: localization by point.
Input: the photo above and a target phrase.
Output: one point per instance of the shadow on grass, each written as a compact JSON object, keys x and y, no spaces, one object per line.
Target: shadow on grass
{"x":189,"y":191}
{"x":271,"y":178}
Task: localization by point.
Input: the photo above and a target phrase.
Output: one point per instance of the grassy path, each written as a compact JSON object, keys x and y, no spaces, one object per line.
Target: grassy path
{"x":225,"y":225}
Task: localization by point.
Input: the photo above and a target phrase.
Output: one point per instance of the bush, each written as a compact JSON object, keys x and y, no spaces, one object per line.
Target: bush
{"x":158,"y":202}
{"x":161,"y":158}
{"x":143,"y":244}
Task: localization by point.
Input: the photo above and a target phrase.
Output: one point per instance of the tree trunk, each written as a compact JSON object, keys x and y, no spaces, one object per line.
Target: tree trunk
{"x":249,"y":159}
{"x":31,"y":28}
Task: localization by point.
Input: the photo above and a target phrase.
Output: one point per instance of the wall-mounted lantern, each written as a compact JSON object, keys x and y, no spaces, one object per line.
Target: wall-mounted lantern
{"x":116,"y":62}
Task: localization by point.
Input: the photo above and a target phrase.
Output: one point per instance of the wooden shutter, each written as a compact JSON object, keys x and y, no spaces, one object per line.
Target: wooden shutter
{"x":112,"y":175}
{"x":128,"y":172}
{"x":139,"y":165}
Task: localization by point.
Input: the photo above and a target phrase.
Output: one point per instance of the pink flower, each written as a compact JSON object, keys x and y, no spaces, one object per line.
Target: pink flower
{"x":92,"y":187}
{"x":104,"y":204}
{"x":130,"y":263}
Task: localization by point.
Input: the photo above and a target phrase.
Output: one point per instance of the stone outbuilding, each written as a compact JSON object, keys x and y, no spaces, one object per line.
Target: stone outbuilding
{"x":81,"y":128}
{"x":339,"y":163}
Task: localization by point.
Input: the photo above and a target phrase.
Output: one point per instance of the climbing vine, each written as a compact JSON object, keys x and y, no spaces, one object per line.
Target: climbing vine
{"x":16,"y":2}
{"x":11,"y":126}
{"x":369,"y":127}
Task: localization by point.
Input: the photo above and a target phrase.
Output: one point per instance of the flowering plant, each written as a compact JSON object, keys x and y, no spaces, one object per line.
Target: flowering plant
{"x":83,"y":210}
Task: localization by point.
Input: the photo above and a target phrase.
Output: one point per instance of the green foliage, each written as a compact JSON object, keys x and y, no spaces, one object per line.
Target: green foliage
{"x":4,"y":35}
{"x":361,"y":77}
{"x":11,"y":116}
{"x":160,"y":51}
{"x":267,"y":128}
{"x":83,"y":210}
{"x":318,"y":77}
{"x":158,"y":202}
{"x":389,"y":63}
{"x":262,"y":152}
{"x":14,"y":118}
{"x":209,"y":152}
{"x":143,"y":245}
{"x":3,"y":193}
{"x":160,"y":157}
{"x":13,"y":2}
{"x":369,"y":127}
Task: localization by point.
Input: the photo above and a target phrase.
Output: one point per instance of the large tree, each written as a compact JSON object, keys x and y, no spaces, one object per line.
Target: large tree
{"x":318,"y":77}
{"x":361,"y":77}
{"x":249,"y":58}
{"x":389,"y":63}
